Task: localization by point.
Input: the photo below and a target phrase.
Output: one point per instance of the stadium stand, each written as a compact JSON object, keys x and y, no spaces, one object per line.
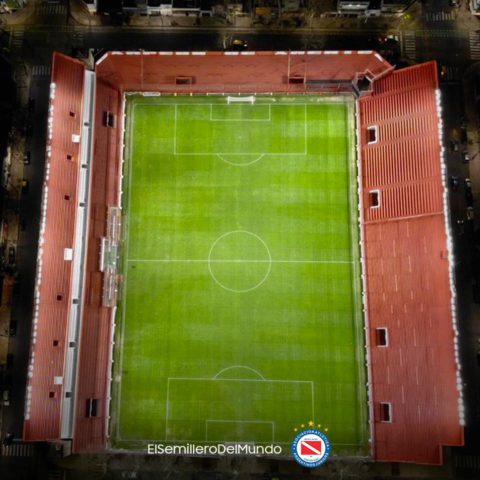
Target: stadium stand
{"x":48,"y":393}
{"x":210,"y":72}
{"x":409,"y":289}
{"x":97,"y":328}
{"x":407,"y":257}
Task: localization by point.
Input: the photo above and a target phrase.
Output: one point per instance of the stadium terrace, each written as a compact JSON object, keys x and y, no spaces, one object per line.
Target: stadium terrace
{"x":235,"y":245}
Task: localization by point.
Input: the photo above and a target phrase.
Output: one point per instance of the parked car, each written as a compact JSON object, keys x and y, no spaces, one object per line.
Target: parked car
{"x":26,"y":158}
{"x":13,"y":328}
{"x":454,"y":182}
{"x":468,"y":192}
{"x":465,"y":157}
{"x":25,"y":186}
{"x":470,"y":213}
{"x":8,"y":439}
{"x":463,"y":134}
{"x":454,"y":146}
{"x":11,"y":255}
{"x":238,"y":44}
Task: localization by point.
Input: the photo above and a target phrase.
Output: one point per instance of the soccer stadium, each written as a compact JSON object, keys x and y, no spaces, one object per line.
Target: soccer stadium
{"x":236,"y":246}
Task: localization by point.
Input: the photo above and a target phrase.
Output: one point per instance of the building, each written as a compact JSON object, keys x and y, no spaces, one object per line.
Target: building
{"x":475,"y":7}
{"x":152,"y":7}
{"x":373,"y":7}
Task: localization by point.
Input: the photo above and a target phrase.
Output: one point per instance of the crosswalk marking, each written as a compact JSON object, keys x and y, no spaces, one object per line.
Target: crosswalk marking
{"x":41,"y":70}
{"x":18,"y":450}
{"x":16,"y":38}
{"x":474,"y":39}
{"x":440,"y":16}
{"x":52,"y":9}
{"x":467,"y":461}
{"x":409,"y":45}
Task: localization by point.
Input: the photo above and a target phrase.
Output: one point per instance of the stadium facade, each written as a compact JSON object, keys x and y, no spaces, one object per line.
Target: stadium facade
{"x":414,"y":378}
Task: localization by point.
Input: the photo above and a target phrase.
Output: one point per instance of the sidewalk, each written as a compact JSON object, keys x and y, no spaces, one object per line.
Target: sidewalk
{"x":80,"y":15}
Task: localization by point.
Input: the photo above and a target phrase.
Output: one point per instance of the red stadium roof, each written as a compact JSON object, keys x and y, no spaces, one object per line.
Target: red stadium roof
{"x":238,"y":71}
{"x":408,"y":277}
{"x":53,"y":301}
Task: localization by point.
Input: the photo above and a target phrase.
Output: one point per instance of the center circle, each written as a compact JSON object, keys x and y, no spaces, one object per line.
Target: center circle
{"x":239,"y":261}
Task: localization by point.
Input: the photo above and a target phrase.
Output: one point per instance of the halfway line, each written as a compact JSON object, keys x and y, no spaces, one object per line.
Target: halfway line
{"x":179,"y":260}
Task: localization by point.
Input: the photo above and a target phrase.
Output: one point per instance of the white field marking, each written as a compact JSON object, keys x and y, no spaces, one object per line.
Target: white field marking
{"x":175,"y":132}
{"x":273,"y":154}
{"x":213,"y":119}
{"x":167,"y":408}
{"x":235,"y":153}
{"x":125,"y":268}
{"x":142,"y":441}
{"x":174,"y":440}
{"x":239,"y":260}
{"x":236,"y":164}
{"x":305,"y":126}
{"x":267,"y":261}
{"x":313,"y":401}
{"x":192,"y":260}
{"x":210,"y":420}
{"x":203,"y":379}
{"x":356,"y":271}
{"x":223,"y":370}
{"x":162,"y":103}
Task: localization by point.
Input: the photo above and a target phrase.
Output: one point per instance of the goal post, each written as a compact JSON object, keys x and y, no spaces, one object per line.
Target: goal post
{"x":250,"y":99}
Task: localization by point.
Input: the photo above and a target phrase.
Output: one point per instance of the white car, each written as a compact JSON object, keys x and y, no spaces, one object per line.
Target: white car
{"x":6,"y":398}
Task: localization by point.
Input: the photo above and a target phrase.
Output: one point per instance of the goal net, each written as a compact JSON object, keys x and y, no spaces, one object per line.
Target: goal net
{"x":250,"y":99}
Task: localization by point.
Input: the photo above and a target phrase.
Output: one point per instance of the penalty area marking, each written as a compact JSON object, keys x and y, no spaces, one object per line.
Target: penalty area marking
{"x":246,"y":380}
{"x":244,"y":367}
{"x":239,"y":164}
{"x":175,"y":129}
{"x":213,"y":119}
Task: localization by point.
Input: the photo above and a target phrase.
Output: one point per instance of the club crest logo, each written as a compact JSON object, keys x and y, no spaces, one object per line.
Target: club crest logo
{"x":311,"y":448}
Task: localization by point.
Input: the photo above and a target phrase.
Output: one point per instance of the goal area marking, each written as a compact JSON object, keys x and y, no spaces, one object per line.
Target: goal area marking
{"x":221,"y":155}
{"x":258,"y":108}
{"x":241,"y":422}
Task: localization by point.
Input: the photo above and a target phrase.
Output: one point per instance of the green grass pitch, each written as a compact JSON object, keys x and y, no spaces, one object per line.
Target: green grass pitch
{"x":240,"y":315}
